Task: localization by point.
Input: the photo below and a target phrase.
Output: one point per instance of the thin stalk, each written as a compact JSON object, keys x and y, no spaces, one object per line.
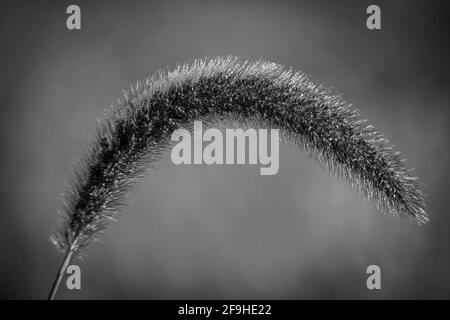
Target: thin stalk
{"x":59,"y":276}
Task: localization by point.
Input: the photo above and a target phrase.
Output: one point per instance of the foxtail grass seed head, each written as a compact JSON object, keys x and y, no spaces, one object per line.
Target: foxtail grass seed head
{"x":138,"y":130}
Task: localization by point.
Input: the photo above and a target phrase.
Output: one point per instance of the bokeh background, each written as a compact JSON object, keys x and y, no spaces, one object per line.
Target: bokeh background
{"x":224,"y":231}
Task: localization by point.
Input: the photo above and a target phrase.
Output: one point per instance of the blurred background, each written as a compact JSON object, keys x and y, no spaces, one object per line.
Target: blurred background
{"x":224,"y":232}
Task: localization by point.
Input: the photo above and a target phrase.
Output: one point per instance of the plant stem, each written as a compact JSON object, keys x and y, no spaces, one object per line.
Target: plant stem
{"x":62,"y":269}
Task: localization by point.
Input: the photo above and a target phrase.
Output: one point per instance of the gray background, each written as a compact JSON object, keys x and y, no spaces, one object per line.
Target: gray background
{"x":224,"y":231}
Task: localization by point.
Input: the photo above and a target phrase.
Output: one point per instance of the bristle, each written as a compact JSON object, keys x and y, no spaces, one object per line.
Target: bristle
{"x":138,"y":131}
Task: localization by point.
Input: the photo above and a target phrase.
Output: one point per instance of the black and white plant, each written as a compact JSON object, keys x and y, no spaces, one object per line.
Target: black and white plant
{"x":137,"y":132}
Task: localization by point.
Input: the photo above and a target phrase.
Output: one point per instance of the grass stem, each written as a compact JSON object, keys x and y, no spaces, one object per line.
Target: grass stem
{"x":59,"y":276}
